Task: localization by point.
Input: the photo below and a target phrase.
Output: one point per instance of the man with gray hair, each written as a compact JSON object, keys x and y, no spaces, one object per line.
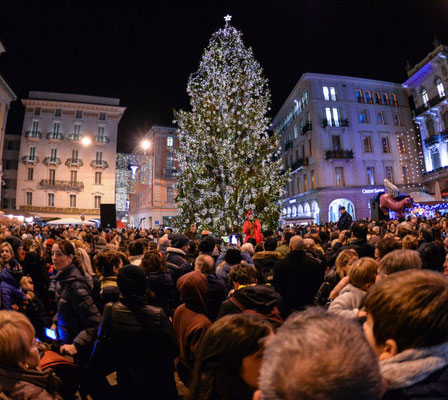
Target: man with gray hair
{"x":321,"y":356}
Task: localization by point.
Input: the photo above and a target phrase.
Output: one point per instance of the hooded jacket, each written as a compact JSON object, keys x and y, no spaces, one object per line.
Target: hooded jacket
{"x":349,"y":302}
{"x":11,"y":292}
{"x":264,"y":263}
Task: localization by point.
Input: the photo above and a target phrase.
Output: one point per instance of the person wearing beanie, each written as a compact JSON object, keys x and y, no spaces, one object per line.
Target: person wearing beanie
{"x":207,"y":246}
{"x":176,"y":256}
{"x":17,"y":246}
{"x":138,"y":341}
{"x":231,"y":257}
{"x":12,"y":295}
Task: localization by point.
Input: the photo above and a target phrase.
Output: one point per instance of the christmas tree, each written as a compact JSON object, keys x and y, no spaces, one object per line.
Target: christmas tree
{"x":229,"y":161}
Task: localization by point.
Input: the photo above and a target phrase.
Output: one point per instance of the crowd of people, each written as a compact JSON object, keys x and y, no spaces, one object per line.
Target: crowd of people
{"x":350,"y":310}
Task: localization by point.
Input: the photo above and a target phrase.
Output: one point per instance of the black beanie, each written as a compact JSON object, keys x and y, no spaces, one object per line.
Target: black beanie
{"x":270,"y":244}
{"x":131,"y":281}
{"x":233,"y":256}
{"x":207,"y":245}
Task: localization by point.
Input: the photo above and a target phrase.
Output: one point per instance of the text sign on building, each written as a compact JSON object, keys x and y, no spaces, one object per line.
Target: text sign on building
{"x":372,"y":191}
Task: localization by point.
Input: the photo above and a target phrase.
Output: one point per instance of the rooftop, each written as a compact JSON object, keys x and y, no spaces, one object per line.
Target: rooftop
{"x":73,"y":98}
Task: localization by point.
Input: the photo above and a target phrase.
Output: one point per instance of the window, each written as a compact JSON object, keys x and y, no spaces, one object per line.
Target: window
{"x":404,"y":168}
{"x":78,"y":114}
{"x":58,"y":112}
{"x":73,"y":200}
{"x":430,"y":127}
{"x":299,"y":185}
{"x":385,"y":97}
{"x":340,"y":180}
{"x":97,"y":178}
{"x":295,"y":131}
{"x":367,"y":144}
{"x":401,"y":145}
{"x":53,"y":154}
{"x":37,"y":111}
{"x":332,"y":115}
{"x":380,"y":117}
{"x":11,"y":164}
{"x":35,"y":127}
{"x":305,"y":183}
{"x":310,"y":145}
{"x":393,"y":100}
{"x":56,"y":127}
{"x":169,"y":141}
{"x":359,"y":96}
{"x":11,"y":184}
{"x":102,"y":116}
{"x":440,"y":88}
{"x":52,"y":176}
{"x":377,"y":98}
{"x":385,"y":144}
{"x":329,"y":93}
{"x":305,"y":99}
{"x":425,"y":97}
{"x":97,"y":201}
{"x":370,"y":176}
{"x":50,"y":199}
{"x":362,"y":116}
{"x":74,"y":154}
{"x":336,"y":142}
{"x":435,"y":158}
{"x":32,"y":153}
{"x":30,"y":174}
{"x":73,"y":176}
{"x":169,"y":195}
{"x":326,"y":93}
{"x":77,"y":130}
{"x":29,"y":198}
{"x":333,"y":93}
{"x":368,"y":95}
{"x":99,"y":156}
{"x":169,"y":164}
{"x":313,"y":180}
{"x":100,"y":132}
{"x":397,"y":119}
{"x":389,"y":174}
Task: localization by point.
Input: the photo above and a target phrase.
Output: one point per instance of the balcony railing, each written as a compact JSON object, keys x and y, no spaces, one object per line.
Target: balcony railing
{"x":74,"y":162}
{"x":301,"y":162}
{"x":339,"y":123}
{"x":61,"y":185}
{"x":339,"y":154}
{"x":74,"y":136}
{"x":33,"y":135}
{"x":288,"y":145}
{"x":169,"y":171}
{"x":55,"y":136}
{"x":30,"y":159}
{"x":307,"y":127}
{"x":52,"y":161}
{"x":431,"y":103}
{"x":61,"y":210}
{"x":99,"y":164}
{"x":432,"y":140}
{"x":102,"y":139}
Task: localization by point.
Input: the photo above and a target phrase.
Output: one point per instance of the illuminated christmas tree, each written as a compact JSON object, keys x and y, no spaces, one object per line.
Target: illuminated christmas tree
{"x":229,"y":162}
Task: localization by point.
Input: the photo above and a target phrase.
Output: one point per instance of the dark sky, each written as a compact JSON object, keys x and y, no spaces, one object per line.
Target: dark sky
{"x":143,"y":52}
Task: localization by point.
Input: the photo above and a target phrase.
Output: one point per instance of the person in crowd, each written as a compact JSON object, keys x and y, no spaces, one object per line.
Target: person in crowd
{"x":192,"y":232}
{"x":385,"y":245}
{"x":12,"y":295}
{"x":345,"y":220}
{"x":283,"y":249}
{"x":297,"y":277}
{"x":432,"y":254}
{"x":232,"y":256}
{"x":136,"y":251}
{"x":17,"y":246}
{"x":398,"y":260}
{"x":176,"y":256}
{"x":190,"y":321}
{"x":249,"y":297}
{"x":248,"y":248}
{"x":229,"y":359}
{"x":34,"y":308}
{"x":309,"y":343}
{"x":409,"y":333}
{"x":20,"y":373}
{"x":216,"y":292}
{"x":6,"y":255}
{"x":252,"y":228}
{"x":207,"y":246}
{"x":192,"y":252}
{"x":77,"y":317}
{"x":340,"y":270}
{"x":86,"y":264}
{"x":139,"y":340}
{"x":409,"y":242}
{"x":108,"y":265}
{"x":362,"y":275}
{"x":265,"y":260}
{"x":101,"y":245}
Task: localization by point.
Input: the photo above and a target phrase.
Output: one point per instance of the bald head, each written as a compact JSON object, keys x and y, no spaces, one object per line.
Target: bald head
{"x":205,"y":264}
{"x":296,"y":243}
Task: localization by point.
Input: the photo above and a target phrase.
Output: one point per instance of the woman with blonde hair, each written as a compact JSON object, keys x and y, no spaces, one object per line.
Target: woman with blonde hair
{"x":340,"y":270}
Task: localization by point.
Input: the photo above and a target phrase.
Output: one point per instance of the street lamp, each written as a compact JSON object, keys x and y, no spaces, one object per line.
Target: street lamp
{"x":146,"y":144}
{"x":86,"y":141}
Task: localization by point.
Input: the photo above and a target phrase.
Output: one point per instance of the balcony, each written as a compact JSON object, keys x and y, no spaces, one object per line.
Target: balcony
{"x":169,"y":172}
{"x":338,"y":154}
{"x":307,"y":127}
{"x":54,"y":137}
{"x":30,"y":160}
{"x":301,"y":162}
{"x":333,"y":123}
{"x":432,"y":140}
{"x":74,"y":136}
{"x":288,"y":145}
{"x":431,"y":103}
{"x":74,"y":162}
{"x":53,"y":161}
{"x":61,"y":185}
{"x":33,"y":136}
{"x":99,"y":164}
{"x":61,"y":210}
{"x":102,"y":139}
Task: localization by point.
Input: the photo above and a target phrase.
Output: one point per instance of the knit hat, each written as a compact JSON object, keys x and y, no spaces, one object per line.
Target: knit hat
{"x":15,"y":269}
{"x":15,"y":243}
{"x":270,"y":244}
{"x":233,"y":256}
{"x":207,"y":245}
{"x":131,"y":281}
{"x":178,"y":240}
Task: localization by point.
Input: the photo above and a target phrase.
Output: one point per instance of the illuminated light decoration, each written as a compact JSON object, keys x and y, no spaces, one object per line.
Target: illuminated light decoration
{"x":86,"y":141}
{"x":370,"y":191}
{"x":228,"y":161}
{"x":133,"y":169}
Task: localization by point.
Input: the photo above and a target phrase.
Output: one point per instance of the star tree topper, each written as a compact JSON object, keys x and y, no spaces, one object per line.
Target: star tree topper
{"x":227,"y":18}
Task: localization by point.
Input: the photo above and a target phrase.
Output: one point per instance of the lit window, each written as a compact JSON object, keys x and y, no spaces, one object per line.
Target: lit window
{"x":169,"y":141}
{"x":370,"y":175}
{"x":377,"y":98}
{"x":393,"y":99}
{"x":425,"y":97}
{"x":362,"y":117}
{"x":367,"y":144}
{"x":340,"y":180}
{"x":305,"y":183}
{"x":440,"y":88}
{"x":381,"y":118}
{"x":359,"y":96}
{"x":310,"y":145}
{"x":313,"y":180}
{"x":295,"y":131}
{"x":397,"y":119}
{"x":299,"y":185}
{"x":369,"y":99}
{"x":385,"y":98}
{"x":326,"y":93}
{"x":333,"y":93}
{"x":389,"y":174}
{"x":385,"y":144}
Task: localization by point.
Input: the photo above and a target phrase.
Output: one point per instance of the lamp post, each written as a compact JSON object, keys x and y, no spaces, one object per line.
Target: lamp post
{"x":146,"y":144}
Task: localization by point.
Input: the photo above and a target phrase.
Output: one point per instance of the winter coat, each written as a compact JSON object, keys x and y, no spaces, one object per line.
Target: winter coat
{"x":143,"y":346}
{"x":283,"y":250}
{"x":190,"y":321}
{"x":432,"y":256}
{"x":330,"y":282}
{"x":17,"y":383}
{"x":256,"y":226}
{"x":264,"y":263}
{"x":161,"y":288}
{"x":11,"y":292}
{"x":415,"y":374}
{"x":77,"y":315}
{"x":297,"y":279}
{"x":345,"y":221}
{"x":349,"y":302}
{"x":177,"y":263}
{"x":216,"y":294}
{"x":35,"y":267}
{"x":109,"y":292}
{"x":260,"y":298}
{"x":246,"y":257}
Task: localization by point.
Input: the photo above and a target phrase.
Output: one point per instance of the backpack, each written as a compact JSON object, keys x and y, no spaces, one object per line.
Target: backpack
{"x":274,"y":316}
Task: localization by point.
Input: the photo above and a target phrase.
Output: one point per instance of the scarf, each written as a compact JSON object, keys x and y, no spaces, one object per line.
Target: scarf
{"x":413,"y":365}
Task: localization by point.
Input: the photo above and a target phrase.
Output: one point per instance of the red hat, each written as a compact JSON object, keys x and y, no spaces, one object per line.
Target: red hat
{"x":50,"y":242}
{"x":248,"y":213}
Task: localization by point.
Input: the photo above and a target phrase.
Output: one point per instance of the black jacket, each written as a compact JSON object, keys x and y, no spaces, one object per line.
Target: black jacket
{"x":216,"y":294}
{"x":77,"y":315}
{"x":161,"y":289}
{"x":35,"y":267}
{"x":297,"y":278}
{"x":432,"y":256}
{"x":142,"y":346}
{"x":177,"y":263}
{"x":264,"y":264}
{"x":345,"y":221}
{"x":330,"y":282}
{"x":260,"y":298}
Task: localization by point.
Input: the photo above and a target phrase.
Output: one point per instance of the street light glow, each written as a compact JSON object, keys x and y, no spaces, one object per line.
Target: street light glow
{"x":86,"y":141}
{"x":145,"y":144}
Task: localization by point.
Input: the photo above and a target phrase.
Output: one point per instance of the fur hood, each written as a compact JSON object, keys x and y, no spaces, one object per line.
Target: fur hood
{"x":262,"y":255}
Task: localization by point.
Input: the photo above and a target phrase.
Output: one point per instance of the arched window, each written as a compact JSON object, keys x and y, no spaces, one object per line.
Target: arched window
{"x":440,"y":88}
{"x":425,"y":98}
{"x":307,"y":209}
{"x":294,"y":211}
{"x":430,"y":127}
{"x":333,"y":209}
{"x":300,"y":209}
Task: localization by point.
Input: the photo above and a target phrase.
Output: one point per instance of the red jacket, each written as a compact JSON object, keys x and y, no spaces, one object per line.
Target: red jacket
{"x":255,"y":232}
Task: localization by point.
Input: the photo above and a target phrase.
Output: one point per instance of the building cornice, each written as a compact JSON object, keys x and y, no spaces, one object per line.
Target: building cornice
{"x":75,"y":106}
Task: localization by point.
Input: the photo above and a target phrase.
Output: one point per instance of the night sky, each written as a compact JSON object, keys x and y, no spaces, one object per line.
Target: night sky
{"x":143,"y":52}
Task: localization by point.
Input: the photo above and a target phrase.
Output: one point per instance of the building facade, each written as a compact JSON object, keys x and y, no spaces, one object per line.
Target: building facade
{"x":341,"y":136}
{"x":10,"y":157}
{"x":6,"y":97}
{"x":152,"y":205}
{"x":67,"y":154}
{"x":428,"y":84}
